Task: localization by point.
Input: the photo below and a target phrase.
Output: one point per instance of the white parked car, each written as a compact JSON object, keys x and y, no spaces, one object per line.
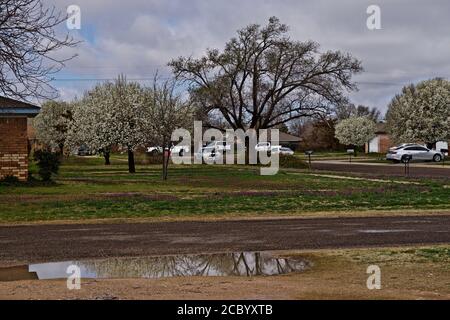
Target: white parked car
{"x":418,"y":153}
{"x":154,"y":150}
{"x":219,"y":145}
{"x":208,"y":154}
{"x":264,"y":147}
{"x":174,"y":149}
{"x":181,"y":150}
{"x":282,"y":150}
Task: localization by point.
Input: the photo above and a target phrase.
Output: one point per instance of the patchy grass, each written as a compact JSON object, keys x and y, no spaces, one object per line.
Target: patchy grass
{"x":86,"y":189}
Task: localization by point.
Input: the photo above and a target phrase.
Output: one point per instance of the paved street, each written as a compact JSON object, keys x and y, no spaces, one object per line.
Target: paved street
{"x":43,"y":243}
{"x":387,"y":170}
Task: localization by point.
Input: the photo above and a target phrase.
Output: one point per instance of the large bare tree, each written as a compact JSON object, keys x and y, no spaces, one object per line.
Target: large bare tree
{"x":263,"y":78}
{"x":28,"y":41}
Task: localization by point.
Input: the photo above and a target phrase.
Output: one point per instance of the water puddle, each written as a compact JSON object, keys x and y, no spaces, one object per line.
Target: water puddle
{"x":244,"y":264}
{"x":385,"y":231}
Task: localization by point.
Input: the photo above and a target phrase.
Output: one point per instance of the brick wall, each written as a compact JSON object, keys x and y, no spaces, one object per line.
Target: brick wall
{"x":14,"y":148}
{"x":385,"y":143}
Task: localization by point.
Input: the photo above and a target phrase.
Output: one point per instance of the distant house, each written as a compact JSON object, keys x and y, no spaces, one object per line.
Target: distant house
{"x":14,"y":116}
{"x":382,"y":141}
{"x":286,"y":139}
{"x":289,"y":140}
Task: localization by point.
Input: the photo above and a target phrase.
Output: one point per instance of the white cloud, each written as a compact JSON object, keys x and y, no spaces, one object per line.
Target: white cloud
{"x":137,"y":37}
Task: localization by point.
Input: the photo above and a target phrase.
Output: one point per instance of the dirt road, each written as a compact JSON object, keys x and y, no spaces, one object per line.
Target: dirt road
{"x":46,"y":243}
{"x":383,"y":170}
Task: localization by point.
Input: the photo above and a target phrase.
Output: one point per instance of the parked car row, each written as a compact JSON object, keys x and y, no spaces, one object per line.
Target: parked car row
{"x":214,"y":149}
{"x":174,"y":149}
{"x":213,"y":153}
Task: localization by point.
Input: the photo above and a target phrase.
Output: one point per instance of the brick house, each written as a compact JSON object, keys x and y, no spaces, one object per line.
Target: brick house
{"x":14,"y":151}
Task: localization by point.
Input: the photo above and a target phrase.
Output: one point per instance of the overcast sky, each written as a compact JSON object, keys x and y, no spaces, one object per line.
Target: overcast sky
{"x":138,"y":37}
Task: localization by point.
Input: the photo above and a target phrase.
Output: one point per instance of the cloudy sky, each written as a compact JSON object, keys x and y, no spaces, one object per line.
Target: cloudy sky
{"x":138,"y":37}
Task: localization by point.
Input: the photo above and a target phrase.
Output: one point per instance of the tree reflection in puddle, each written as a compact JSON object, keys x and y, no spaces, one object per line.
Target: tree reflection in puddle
{"x":224,"y":264}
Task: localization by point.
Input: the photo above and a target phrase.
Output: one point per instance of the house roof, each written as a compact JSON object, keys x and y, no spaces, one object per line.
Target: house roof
{"x":11,"y":107}
{"x":285,"y":137}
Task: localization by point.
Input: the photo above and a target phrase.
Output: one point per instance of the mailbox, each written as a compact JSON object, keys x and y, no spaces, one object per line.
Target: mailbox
{"x":351,"y":152}
{"x":407,"y":158}
{"x":309,"y":153}
{"x":445,"y":154}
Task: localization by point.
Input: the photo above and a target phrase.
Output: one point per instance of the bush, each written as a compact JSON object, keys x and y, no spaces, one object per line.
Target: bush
{"x":287,"y":161}
{"x":47,"y":163}
{"x":9,"y":180}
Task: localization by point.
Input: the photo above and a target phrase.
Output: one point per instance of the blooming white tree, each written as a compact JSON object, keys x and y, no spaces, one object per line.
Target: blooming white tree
{"x":355,"y":131}
{"x":112,"y":114}
{"x":93,"y":124}
{"x":129,"y":116}
{"x":421,"y":113}
{"x":52,"y":124}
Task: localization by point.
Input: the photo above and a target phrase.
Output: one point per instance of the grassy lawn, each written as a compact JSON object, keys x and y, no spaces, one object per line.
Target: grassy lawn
{"x":86,"y":189}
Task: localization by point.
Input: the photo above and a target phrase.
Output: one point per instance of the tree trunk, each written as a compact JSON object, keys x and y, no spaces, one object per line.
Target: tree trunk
{"x":166,"y":173}
{"x":107,"y":155}
{"x":164,"y":164}
{"x":131,"y":166}
{"x":166,"y":158}
{"x":61,"y":149}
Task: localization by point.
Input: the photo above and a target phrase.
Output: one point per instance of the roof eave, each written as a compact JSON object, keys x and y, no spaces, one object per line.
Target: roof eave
{"x":22,"y":112}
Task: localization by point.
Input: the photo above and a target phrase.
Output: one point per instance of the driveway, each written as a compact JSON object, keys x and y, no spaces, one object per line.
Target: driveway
{"x":46,"y":243}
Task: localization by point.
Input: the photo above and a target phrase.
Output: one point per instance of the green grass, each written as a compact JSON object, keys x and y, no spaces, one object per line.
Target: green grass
{"x":435,"y":254}
{"x":86,"y":189}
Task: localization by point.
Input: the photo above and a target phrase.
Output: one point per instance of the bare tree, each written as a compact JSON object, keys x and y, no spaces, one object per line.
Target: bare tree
{"x":343,"y":112}
{"x":28,"y":40}
{"x":263,"y":78}
{"x":167,"y":111}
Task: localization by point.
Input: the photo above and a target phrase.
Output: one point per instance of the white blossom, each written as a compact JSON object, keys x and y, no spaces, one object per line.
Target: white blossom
{"x":111,"y":114}
{"x":355,"y":131}
{"x":53,"y":123}
{"x":421,"y":113}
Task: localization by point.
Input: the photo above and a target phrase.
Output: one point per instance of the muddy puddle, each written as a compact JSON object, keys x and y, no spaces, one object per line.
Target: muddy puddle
{"x":245,"y":264}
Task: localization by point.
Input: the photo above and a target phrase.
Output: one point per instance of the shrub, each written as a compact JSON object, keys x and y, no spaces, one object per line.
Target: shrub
{"x":9,"y":180}
{"x":47,"y":163}
{"x":287,"y":161}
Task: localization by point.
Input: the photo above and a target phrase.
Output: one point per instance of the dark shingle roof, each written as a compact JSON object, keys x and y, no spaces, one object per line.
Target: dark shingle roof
{"x":285,"y":137}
